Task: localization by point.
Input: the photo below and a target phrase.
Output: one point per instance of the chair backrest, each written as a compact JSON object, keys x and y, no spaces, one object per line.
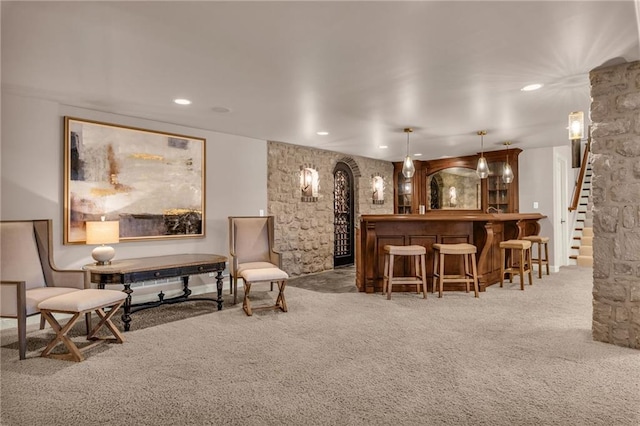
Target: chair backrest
{"x":251,"y":238}
{"x":21,"y":258}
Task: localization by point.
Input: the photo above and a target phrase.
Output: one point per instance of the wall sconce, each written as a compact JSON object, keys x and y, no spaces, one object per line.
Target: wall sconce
{"x":103,"y":232}
{"x":576,"y":133}
{"x":309,"y":183}
{"x":377,"y":183}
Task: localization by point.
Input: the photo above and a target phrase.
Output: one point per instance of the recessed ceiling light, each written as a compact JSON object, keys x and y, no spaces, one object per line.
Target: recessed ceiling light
{"x":221,"y":109}
{"x":418,"y":154}
{"x":181,"y":101}
{"x":531,"y":87}
{"x":322,"y":133}
{"x":383,"y":147}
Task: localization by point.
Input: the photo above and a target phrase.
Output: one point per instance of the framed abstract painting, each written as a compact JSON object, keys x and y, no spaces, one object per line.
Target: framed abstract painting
{"x":153,"y":183}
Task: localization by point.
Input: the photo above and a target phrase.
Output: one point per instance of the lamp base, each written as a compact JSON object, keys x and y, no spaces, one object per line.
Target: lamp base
{"x":103,"y":255}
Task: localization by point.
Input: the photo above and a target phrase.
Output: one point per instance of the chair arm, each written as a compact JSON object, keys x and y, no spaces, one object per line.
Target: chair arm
{"x":276,"y":258}
{"x":18,"y":293}
{"x":69,"y":278}
{"x":233,"y":265}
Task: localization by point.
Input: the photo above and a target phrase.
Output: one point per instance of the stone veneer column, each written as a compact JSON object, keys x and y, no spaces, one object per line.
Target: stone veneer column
{"x":615,"y":113}
{"x":304,"y":230}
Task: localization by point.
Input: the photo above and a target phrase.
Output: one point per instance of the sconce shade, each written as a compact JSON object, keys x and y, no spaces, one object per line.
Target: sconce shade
{"x":103,"y":232}
{"x":377,"y":183}
{"x":309,"y":183}
{"x":576,"y":125}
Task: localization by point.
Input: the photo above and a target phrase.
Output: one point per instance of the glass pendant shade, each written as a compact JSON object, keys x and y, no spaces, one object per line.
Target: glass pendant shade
{"x":483,"y":169}
{"x":408,"y":169}
{"x":507,"y":173}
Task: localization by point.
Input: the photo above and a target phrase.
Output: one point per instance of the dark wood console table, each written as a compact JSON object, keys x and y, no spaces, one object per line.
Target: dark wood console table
{"x":128,"y":271}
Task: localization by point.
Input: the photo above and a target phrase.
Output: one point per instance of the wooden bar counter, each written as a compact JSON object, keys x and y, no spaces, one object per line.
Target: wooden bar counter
{"x":484,"y":230}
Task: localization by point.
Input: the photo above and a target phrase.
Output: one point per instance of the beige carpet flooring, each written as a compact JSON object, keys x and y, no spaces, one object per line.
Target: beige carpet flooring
{"x":510,"y":357}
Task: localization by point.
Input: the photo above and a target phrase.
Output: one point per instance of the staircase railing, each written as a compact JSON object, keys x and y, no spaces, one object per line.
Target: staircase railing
{"x":580,"y":181}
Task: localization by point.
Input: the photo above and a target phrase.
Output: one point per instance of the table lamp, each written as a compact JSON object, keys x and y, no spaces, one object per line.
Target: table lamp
{"x":103,"y":232}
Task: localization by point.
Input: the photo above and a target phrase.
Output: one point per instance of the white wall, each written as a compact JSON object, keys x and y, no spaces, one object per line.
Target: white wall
{"x":32,"y":170}
{"x":540,"y":183}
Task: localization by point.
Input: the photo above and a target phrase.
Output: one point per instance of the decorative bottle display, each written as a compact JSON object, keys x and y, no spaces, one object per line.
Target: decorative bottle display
{"x":497,"y":190}
{"x":405,"y":194}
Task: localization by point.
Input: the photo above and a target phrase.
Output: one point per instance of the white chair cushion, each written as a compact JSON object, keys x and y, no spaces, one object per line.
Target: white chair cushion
{"x":82,"y":300}
{"x":254,"y":265}
{"x":34,"y":297}
{"x":266,"y":274}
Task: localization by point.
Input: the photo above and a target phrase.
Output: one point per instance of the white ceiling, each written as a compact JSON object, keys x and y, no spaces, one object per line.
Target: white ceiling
{"x":361,"y":70}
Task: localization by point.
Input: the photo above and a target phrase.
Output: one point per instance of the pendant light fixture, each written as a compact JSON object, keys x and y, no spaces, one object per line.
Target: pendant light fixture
{"x":507,"y":173}
{"x":408,"y":169}
{"x":483,"y":169}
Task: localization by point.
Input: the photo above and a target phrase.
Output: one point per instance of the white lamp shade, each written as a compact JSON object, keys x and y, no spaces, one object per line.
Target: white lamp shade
{"x":103,"y":232}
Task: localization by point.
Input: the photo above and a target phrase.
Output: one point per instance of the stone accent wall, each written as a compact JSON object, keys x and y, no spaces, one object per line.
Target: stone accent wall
{"x":304,"y":230}
{"x":615,"y":113}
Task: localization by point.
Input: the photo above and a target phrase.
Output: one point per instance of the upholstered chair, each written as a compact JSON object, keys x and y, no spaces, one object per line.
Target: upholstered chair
{"x":28,"y":273}
{"x":251,"y":247}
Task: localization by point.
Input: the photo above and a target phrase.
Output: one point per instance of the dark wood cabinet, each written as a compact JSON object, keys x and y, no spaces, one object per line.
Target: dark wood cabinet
{"x":495,"y":194}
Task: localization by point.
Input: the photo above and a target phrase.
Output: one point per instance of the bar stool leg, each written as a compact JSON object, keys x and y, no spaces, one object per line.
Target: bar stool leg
{"x":522,"y":256}
{"x":539,"y":260}
{"x":502,"y":256}
{"x":436,"y":271}
{"x":475,"y":274}
{"x":416,"y":265}
{"x":529,"y":261}
{"x":546,"y":256}
{"x":385,"y":273}
{"x":467,"y":273}
{"x":423,"y":275}
{"x":441,"y":271}
{"x":390,"y":283}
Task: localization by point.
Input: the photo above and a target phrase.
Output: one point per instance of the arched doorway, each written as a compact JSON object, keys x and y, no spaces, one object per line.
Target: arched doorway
{"x":343,"y":206}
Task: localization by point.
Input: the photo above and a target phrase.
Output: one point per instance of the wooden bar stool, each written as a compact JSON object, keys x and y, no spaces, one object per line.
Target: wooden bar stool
{"x":467,"y":276}
{"x":420,"y":277}
{"x":540,"y":260}
{"x":524,"y":262}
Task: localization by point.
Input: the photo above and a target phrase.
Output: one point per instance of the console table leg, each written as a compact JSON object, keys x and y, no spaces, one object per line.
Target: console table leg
{"x":126,"y":316}
{"x":185,"y":282}
{"x":219,"y":288}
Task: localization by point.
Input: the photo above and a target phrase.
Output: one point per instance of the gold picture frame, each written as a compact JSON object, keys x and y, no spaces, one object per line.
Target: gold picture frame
{"x":152,"y":182}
